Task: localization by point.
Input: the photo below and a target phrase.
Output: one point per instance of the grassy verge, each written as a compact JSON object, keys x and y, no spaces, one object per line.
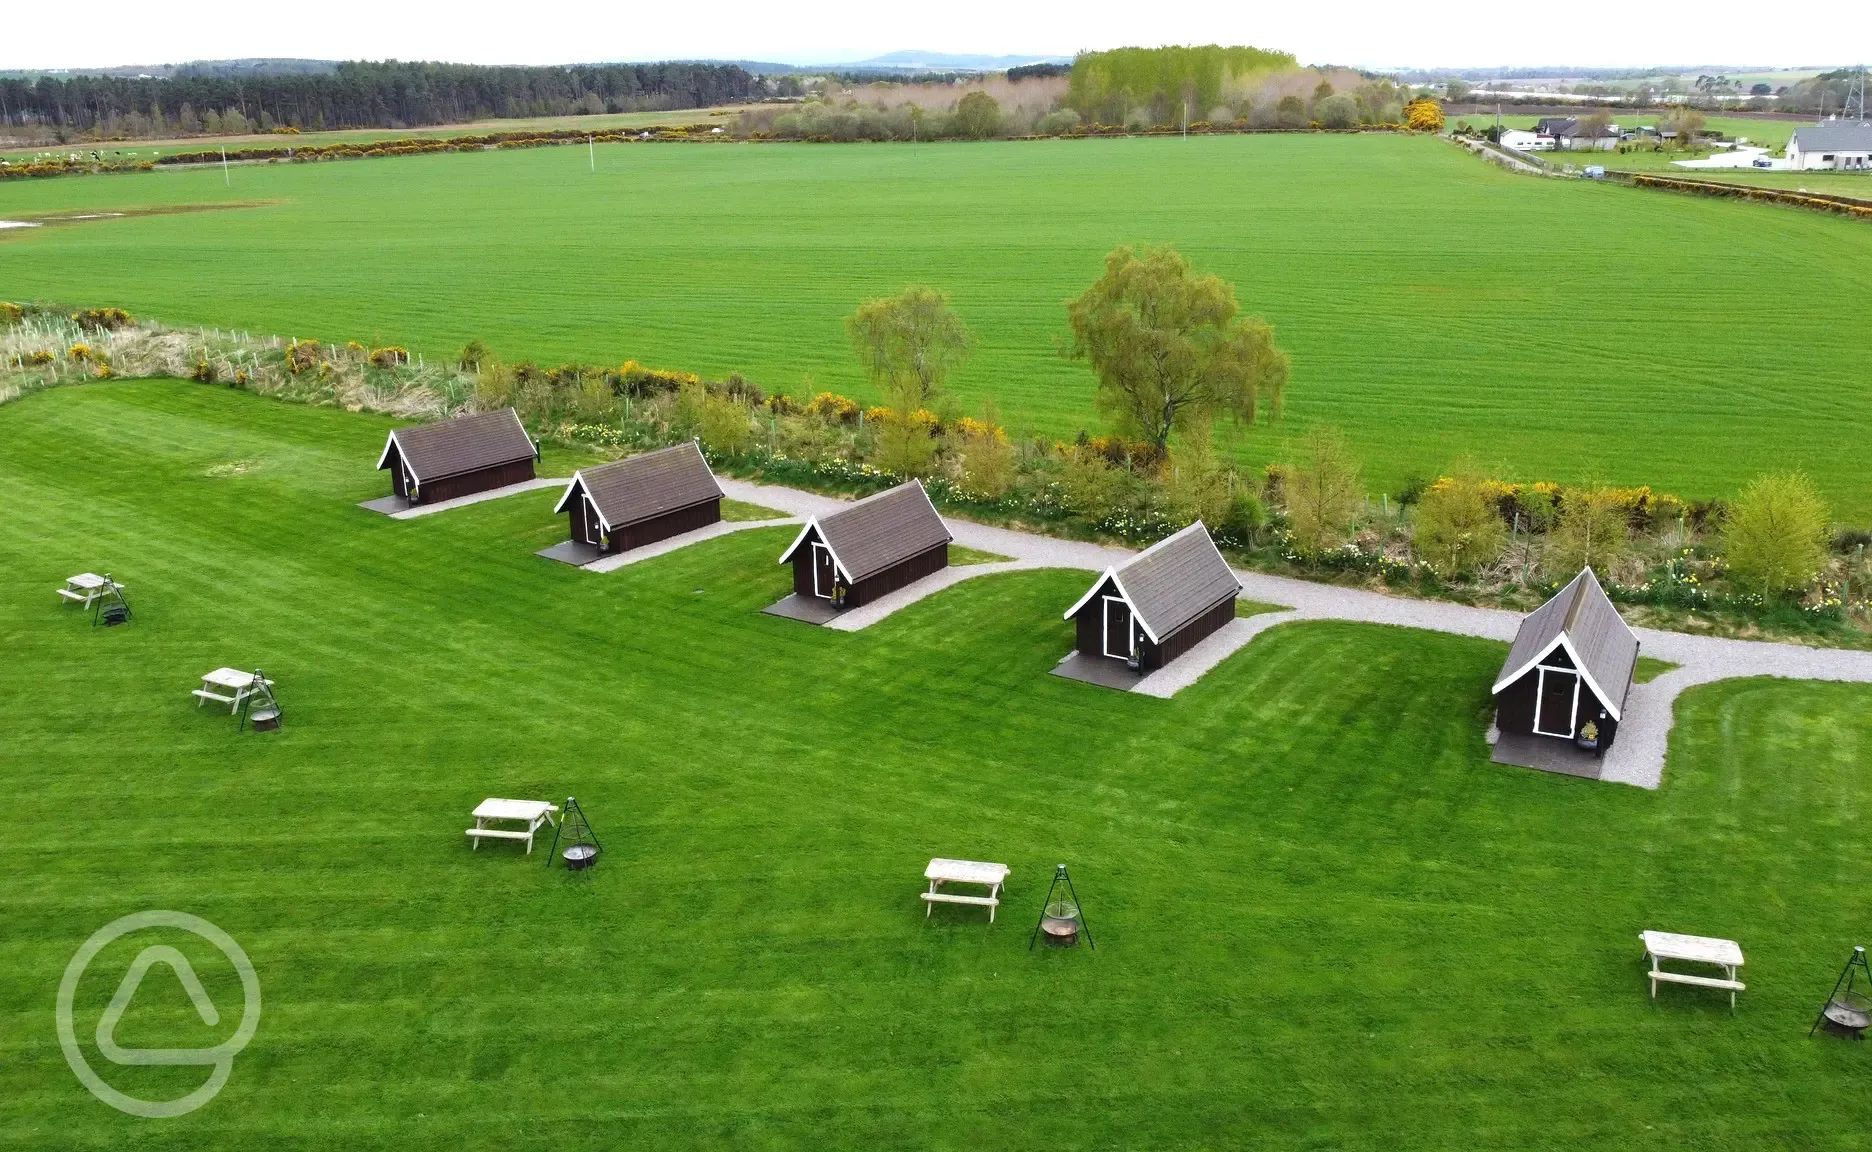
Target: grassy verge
{"x":960,"y":554}
{"x":741,"y":510}
{"x":1256,"y":608}
{"x":1650,"y":668}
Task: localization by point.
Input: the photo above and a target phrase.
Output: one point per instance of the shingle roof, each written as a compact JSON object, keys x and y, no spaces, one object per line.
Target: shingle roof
{"x":1173,"y":581}
{"x":1581,"y":616}
{"x":879,"y":531}
{"x":1834,"y":136}
{"x":630,"y":491}
{"x":1556,"y":125}
{"x":467,"y":443}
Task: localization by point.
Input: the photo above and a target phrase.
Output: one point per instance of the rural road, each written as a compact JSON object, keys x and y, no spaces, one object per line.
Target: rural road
{"x":1650,"y":710}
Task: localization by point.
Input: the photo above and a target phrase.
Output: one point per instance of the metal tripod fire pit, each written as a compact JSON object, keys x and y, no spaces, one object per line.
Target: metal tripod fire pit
{"x":1062,"y":921}
{"x":1848,"y":1008}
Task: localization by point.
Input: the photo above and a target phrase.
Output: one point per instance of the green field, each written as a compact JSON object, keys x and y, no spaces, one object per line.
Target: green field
{"x":602,"y":122}
{"x":1323,"y":918}
{"x":1432,"y":304}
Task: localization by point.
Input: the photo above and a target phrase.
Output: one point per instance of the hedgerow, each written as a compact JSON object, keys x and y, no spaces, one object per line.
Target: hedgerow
{"x":1091,"y":487}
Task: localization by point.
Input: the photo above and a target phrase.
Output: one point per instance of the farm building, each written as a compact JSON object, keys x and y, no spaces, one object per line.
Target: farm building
{"x":1159,"y":604}
{"x":458,"y":457}
{"x":1561,"y":694}
{"x":1839,"y":144}
{"x":876,"y":546}
{"x":629,"y":503}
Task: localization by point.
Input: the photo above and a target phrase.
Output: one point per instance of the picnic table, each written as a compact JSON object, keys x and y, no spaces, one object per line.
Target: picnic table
{"x":218,"y":685}
{"x":1724,"y":954}
{"x":86,"y":587}
{"x":943,"y":871}
{"x":532,"y":813}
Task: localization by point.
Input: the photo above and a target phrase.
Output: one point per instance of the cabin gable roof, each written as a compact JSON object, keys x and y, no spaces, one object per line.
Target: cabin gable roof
{"x":643,"y":487}
{"x":1170,"y":583}
{"x":437,"y":451}
{"x":1582,"y":620}
{"x":877,"y":532}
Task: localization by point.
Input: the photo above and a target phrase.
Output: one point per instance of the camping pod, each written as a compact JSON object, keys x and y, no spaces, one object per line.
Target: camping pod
{"x":1562,"y":690}
{"x":434,"y":462}
{"x":1159,"y":604}
{"x":629,"y":503}
{"x":876,"y":546}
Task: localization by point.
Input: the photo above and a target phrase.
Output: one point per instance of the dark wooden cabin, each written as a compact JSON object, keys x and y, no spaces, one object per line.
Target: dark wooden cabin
{"x":1159,"y":604}
{"x":459,"y":457}
{"x":1570,"y":667}
{"x":874,"y":547}
{"x":629,"y":503}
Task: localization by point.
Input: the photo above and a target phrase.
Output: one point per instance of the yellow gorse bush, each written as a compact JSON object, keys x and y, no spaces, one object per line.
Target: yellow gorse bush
{"x":831,"y":406}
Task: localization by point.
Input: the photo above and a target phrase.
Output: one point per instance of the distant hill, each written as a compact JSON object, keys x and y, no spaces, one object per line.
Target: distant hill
{"x":253,"y":66}
{"x":913,"y":60}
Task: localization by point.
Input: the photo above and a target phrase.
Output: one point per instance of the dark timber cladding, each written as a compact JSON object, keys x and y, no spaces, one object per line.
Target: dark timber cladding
{"x":1571,"y":665}
{"x":1160,"y":603}
{"x":629,"y":503}
{"x":459,"y":457}
{"x":874,"y":547}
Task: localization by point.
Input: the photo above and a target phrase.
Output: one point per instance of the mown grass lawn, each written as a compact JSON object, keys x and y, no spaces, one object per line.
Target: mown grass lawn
{"x":1323,"y":918}
{"x":1433,"y":304}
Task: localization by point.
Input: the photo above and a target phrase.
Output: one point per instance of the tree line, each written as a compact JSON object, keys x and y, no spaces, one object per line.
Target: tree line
{"x":359,"y":94}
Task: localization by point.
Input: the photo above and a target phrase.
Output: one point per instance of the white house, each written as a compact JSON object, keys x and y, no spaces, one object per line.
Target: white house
{"x":1571,"y":134}
{"x":1841,"y":144}
{"x":1521,"y":140}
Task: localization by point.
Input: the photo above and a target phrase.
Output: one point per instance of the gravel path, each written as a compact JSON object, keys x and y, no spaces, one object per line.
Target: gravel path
{"x":1643,"y":737}
{"x":618,"y":560}
{"x":392,"y":506}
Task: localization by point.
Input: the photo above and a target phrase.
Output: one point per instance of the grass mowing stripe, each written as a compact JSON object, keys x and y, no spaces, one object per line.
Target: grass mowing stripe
{"x":1317,"y":902}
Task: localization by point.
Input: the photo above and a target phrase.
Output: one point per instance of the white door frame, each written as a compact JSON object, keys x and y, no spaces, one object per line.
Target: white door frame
{"x":594,"y":526}
{"x":817,"y":549}
{"x":1105,"y":626}
{"x":1540,"y":695}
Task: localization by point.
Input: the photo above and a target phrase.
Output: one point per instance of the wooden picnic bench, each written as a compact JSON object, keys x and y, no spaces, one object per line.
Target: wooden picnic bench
{"x":532,"y":813}
{"x":227,"y":680}
{"x":943,"y":871}
{"x":1724,"y":954}
{"x":86,"y":587}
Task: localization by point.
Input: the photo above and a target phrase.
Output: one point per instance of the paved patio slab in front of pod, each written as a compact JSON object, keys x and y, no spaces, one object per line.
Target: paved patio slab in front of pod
{"x":574,"y":552}
{"x":1547,"y":754}
{"x":1100,"y":670}
{"x":806,"y":609}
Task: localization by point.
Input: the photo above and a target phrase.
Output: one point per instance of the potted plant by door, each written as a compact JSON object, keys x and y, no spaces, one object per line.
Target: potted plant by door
{"x":1588,"y":737}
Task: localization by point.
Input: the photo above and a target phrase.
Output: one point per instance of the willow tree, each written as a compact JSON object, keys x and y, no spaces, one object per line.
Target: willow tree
{"x":909,"y":344}
{"x":1172,"y":351}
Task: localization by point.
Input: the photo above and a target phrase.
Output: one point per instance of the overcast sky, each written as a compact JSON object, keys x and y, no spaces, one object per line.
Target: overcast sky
{"x":1368,"y":33}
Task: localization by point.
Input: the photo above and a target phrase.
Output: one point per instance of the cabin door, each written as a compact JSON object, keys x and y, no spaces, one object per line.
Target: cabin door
{"x":1117,"y":628}
{"x":594,"y":527}
{"x":824,"y":575}
{"x":1556,"y":702}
